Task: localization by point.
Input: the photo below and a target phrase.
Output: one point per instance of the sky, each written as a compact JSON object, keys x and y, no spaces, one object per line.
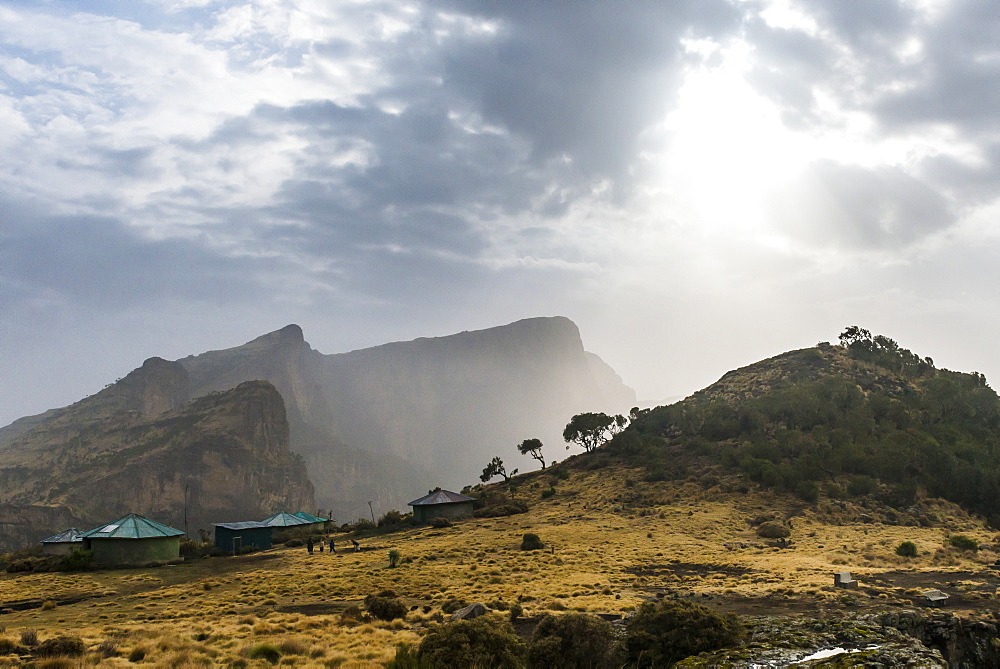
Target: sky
{"x":698,"y":184}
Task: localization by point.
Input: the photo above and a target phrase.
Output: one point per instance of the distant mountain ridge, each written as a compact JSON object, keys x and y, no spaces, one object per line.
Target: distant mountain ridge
{"x":389,"y":422}
{"x":382,"y":424}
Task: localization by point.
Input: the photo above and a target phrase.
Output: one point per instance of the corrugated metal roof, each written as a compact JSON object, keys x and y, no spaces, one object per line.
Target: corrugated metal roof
{"x":441,"y":497}
{"x":282,"y":519}
{"x":132,"y":526}
{"x":68,"y":536}
{"x":308,"y":517}
{"x":243,"y":525}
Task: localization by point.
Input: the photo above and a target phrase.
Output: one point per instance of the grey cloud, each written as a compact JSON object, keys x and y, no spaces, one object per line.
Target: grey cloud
{"x":582,"y":80}
{"x":101,"y":262}
{"x":835,"y":205}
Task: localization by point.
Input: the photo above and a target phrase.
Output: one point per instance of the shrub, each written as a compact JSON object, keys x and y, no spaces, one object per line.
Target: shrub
{"x":390,"y":519}
{"x":440,"y":522}
{"x":571,"y":640}
{"x":548,"y":492}
{"x":264,"y":651}
{"x":407,"y":658}
{"x":294,"y":543}
{"x":531,"y":542}
{"x":454,"y":604}
{"x":385,"y":606}
{"x":508,"y":508}
{"x":907,"y":549}
{"x":48,"y":605}
{"x":393,"y":557}
{"x":963,"y":543}
{"x":137,"y":654}
{"x":515,"y":612}
{"x":10,"y":647}
{"x":191,"y":550}
{"x":77,"y":561}
{"x":773,"y":530}
{"x":71,"y":646}
{"x":861,"y":485}
{"x":29,"y":637}
{"x":671,"y":630}
{"x":483,"y":642}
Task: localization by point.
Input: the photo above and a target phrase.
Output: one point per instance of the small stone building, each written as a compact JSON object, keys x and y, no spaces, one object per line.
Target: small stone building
{"x":63,"y":543}
{"x":441,"y":504}
{"x":133,"y":540}
{"x":231,"y":537}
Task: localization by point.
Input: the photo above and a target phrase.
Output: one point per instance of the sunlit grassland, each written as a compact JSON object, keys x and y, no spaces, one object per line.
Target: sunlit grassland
{"x":612,"y":541}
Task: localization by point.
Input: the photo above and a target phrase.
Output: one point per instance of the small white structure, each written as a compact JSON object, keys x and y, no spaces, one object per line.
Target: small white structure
{"x":935,"y":598}
{"x":843,"y":579}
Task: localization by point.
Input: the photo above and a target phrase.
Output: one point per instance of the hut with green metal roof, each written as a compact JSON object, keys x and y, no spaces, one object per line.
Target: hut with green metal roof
{"x":441,"y":504}
{"x":315,"y":522}
{"x":234,"y":537}
{"x":63,"y":543}
{"x":285,"y":520}
{"x":133,"y":540}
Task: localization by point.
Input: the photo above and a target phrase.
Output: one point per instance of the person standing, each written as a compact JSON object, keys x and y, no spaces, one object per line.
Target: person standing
{"x":309,"y":545}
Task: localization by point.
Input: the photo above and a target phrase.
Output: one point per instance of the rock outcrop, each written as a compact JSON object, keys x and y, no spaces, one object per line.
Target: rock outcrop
{"x":222,"y":457}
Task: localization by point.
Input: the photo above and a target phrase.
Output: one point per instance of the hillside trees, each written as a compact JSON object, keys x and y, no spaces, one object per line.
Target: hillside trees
{"x":496,"y":468}
{"x":590,"y":430}
{"x":879,"y":421}
{"x":532,"y":447}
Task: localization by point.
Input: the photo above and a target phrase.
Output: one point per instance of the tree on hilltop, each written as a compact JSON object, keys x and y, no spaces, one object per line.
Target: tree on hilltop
{"x":590,"y":430}
{"x":532,"y":447}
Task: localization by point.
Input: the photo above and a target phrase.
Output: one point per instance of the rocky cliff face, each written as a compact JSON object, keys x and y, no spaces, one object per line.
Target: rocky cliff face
{"x":223,"y":457}
{"x":387,"y":423}
{"x":383,"y":424}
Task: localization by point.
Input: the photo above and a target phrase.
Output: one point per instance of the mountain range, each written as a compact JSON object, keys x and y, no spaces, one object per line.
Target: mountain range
{"x":379,"y":425}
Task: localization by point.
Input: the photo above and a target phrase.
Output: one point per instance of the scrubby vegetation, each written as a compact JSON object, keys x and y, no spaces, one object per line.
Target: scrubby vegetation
{"x":483,"y":642}
{"x":671,"y":630}
{"x":864,"y":418}
{"x":385,"y":605}
{"x":571,"y":640}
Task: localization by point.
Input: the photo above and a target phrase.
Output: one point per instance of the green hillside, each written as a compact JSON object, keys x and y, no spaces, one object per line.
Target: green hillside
{"x":862,"y":418}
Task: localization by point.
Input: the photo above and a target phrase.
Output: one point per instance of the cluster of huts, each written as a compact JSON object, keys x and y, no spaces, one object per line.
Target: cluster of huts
{"x":134,"y":539}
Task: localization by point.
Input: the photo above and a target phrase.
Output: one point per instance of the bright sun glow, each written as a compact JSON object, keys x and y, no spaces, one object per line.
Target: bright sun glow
{"x":726,"y":147}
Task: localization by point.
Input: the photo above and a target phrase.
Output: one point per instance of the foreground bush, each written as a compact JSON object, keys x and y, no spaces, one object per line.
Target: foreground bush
{"x":483,"y":642}
{"x":571,"y":640}
{"x":61,"y":645}
{"x":531,"y":542}
{"x":964,"y":543}
{"x":772,"y":529}
{"x":385,"y":605}
{"x":907,"y":549}
{"x":671,"y":630}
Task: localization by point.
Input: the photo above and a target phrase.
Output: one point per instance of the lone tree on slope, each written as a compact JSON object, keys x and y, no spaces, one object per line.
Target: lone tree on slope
{"x":590,"y":430}
{"x":532,"y":447}
{"x":496,"y":468}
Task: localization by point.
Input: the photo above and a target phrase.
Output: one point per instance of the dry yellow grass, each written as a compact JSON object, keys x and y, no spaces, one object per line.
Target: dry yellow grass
{"x":612,"y":541}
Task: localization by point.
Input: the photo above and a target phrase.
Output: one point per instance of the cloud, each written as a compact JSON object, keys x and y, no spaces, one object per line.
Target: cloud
{"x":855,"y":208}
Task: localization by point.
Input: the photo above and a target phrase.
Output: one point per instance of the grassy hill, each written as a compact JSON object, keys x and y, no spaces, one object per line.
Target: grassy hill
{"x":863,"y":418}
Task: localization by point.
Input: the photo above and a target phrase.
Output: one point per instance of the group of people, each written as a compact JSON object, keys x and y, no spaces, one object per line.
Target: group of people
{"x":311,"y":545}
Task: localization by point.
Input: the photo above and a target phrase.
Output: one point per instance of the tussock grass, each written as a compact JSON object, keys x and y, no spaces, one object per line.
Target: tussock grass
{"x":612,"y":540}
